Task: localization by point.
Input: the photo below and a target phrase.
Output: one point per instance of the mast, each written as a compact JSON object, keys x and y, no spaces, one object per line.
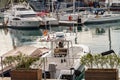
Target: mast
{"x":73,"y":6}
{"x":109,"y":37}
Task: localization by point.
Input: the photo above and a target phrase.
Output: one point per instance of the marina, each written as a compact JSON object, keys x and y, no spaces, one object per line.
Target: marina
{"x":62,"y":35}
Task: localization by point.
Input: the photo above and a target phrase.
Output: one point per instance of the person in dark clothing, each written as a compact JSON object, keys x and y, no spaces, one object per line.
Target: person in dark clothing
{"x":60,"y":44}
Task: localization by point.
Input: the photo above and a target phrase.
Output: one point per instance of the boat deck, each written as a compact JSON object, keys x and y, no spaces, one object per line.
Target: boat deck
{"x":9,"y":78}
{"x":59,"y":63}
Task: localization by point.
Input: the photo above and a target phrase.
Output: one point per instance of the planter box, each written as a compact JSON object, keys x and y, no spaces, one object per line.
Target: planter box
{"x":32,"y":74}
{"x":101,"y":74}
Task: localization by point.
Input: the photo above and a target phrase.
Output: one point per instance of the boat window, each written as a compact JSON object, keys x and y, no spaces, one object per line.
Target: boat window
{"x":26,"y":15}
{"x":60,"y":36}
{"x":115,"y":4}
{"x":22,"y":9}
{"x":16,"y":19}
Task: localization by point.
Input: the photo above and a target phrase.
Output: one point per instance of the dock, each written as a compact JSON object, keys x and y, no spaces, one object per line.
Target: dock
{"x":27,"y":50}
{"x":9,"y":78}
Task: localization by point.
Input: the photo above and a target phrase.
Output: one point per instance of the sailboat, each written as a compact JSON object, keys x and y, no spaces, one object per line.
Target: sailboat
{"x":102,"y":15}
{"x":65,"y":17}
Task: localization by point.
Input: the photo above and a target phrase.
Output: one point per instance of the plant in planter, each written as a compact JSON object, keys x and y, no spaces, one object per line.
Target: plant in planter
{"x":103,"y":67}
{"x":23,"y":69}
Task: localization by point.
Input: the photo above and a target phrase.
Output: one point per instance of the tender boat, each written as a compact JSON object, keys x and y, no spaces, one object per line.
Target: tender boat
{"x":48,"y":36}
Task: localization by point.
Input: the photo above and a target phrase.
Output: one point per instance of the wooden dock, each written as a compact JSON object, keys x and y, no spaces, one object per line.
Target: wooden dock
{"x":9,"y":78}
{"x":27,"y":50}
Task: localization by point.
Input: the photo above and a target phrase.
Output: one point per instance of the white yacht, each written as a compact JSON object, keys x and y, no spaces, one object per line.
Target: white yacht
{"x":22,"y":16}
{"x":63,"y":61}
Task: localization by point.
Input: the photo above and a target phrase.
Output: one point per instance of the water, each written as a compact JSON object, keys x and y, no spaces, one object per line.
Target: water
{"x":99,"y":38}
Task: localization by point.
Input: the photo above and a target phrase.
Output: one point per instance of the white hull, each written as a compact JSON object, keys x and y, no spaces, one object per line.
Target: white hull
{"x":50,"y":21}
{"x":23,"y":23}
{"x":103,"y":18}
{"x":74,"y":17}
{"x":65,"y":17}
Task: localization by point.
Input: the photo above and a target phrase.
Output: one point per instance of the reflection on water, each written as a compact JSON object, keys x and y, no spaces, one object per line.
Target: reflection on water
{"x":5,"y":41}
{"x":99,"y":38}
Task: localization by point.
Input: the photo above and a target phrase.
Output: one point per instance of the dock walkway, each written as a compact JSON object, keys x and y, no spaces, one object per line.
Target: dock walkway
{"x":9,"y":78}
{"x":27,"y":50}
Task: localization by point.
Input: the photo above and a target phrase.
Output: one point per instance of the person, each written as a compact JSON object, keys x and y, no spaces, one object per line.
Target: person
{"x":60,"y":44}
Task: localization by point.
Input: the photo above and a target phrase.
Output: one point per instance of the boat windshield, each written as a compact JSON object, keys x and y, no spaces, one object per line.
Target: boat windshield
{"x":26,"y":15}
{"x":60,"y":35}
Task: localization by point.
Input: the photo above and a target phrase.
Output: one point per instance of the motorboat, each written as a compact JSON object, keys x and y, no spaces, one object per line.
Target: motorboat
{"x":63,"y":60}
{"x":22,"y":16}
{"x":51,"y":35}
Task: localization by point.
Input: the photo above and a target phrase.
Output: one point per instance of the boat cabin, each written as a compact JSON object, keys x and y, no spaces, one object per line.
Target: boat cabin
{"x":60,"y":47}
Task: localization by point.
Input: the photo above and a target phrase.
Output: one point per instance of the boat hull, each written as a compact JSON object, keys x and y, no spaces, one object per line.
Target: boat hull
{"x":103,"y":20}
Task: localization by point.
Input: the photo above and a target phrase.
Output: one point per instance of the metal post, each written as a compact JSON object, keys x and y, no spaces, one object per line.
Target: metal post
{"x":76,"y":36}
{"x":44,"y":69}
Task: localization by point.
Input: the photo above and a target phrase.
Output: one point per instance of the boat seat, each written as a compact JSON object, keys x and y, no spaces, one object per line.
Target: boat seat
{"x":60,"y":52}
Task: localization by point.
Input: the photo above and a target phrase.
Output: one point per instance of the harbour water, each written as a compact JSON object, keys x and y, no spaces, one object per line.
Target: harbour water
{"x":99,"y":38}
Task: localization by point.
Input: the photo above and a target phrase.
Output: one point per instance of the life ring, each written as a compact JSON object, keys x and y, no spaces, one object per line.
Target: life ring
{"x":70,"y":18}
{"x":45,"y":32}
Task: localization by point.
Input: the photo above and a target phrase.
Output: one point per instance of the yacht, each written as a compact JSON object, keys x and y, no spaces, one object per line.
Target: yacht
{"x":22,"y":16}
{"x":63,"y":61}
